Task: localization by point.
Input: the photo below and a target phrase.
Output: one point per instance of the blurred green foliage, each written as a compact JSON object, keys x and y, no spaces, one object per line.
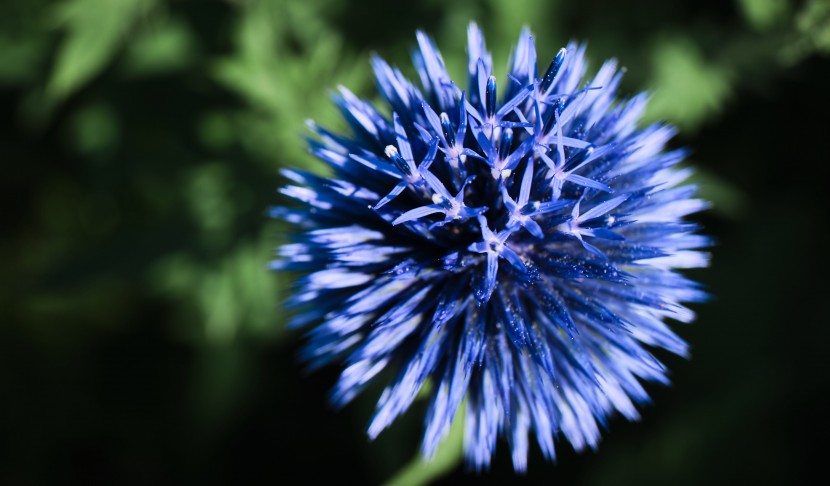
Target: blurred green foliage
{"x":93,"y":32}
{"x":142,"y":139}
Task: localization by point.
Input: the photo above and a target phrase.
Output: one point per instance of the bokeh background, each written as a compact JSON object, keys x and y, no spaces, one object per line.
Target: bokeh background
{"x":141,"y":336}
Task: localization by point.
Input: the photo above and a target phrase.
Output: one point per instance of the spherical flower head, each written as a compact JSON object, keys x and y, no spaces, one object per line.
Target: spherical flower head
{"x":513,"y":243}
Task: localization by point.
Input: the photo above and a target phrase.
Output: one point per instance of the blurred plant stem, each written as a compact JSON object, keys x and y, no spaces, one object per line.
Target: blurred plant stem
{"x":422,"y":470}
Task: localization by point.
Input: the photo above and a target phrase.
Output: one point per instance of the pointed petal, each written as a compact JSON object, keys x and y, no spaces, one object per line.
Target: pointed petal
{"x":392,"y":194}
{"x":584,"y":181}
{"x":603,"y":208}
{"x":534,"y":228}
{"x":430,"y":156}
{"x":514,"y":102}
{"x":514,"y":259}
{"x":520,"y":152}
{"x":435,"y":184}
{"x":434,"y":121}
{"x":403,"y":141}
{"x":416,"y":213}
{"x":527,"y":179}
{"x":489,"y":282}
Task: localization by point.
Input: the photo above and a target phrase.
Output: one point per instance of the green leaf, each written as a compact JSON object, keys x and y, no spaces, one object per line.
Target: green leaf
{"x":727,"y":199}
{"x":763,"y":14}
{"x":160,"y":48}
{"x":285,"y":63}
{"x":94,"y":32}
{"x":688,"y":87}
{"x":235,"y":295}
{"x":814,"y":23}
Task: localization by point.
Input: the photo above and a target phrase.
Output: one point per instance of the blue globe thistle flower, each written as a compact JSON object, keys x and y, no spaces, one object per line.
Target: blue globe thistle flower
{"x":513,"y":243}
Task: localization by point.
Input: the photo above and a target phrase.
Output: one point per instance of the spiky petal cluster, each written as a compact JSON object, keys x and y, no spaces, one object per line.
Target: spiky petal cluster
{"x":515,"y":245}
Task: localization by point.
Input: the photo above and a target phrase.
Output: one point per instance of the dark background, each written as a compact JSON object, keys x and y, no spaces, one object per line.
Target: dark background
{"x":141,"y":338}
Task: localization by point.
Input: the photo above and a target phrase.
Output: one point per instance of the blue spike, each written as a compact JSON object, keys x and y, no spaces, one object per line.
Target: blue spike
{"x":553,"y":70}
{"x":506,"y":143}
{"x":491,"y":97}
